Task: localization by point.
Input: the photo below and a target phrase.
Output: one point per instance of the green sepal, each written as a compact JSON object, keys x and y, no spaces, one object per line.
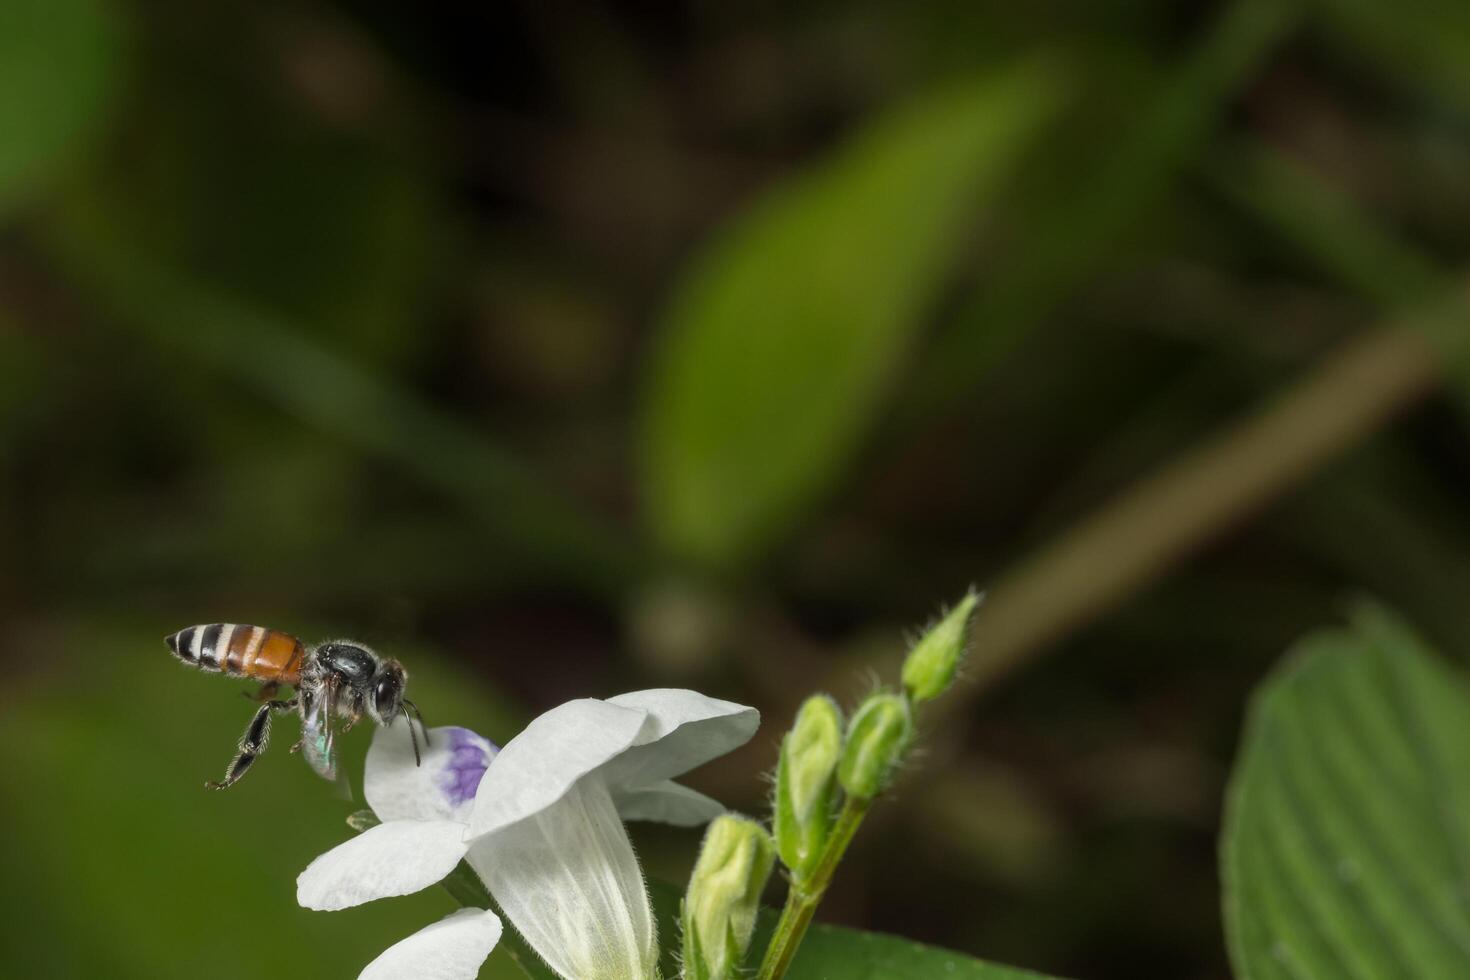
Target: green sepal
{"x":719,"y":910}
{"x":806,"y":785}
{"x":878,"y":738}
{"x":930,"y":667}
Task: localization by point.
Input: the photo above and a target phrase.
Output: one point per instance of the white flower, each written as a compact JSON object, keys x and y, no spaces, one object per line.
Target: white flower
{"x":424,"y":810}
{"x":451,"y":949}
{"x":544,"y":831}
{"x":546,"y":835}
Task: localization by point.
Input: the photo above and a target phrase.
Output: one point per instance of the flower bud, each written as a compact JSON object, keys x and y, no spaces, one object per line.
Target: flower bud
{"x":877,"y":740}
{"x":806,"y":784}
{"x":724,"y":895}
{"x":930,"y":667}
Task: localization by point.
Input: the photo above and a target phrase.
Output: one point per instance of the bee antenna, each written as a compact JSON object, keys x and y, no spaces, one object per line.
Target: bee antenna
{"x":415,"y":740}
{"x":420,"y":715}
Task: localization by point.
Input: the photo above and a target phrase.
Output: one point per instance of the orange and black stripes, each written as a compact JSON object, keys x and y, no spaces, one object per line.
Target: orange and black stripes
{"x":240,"y":651}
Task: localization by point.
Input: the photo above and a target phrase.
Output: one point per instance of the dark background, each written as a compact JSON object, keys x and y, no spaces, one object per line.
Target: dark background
{"x":350,"y":319}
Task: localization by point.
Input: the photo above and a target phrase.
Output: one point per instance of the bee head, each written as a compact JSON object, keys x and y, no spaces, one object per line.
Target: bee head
{"x":387,"y":692}
{"x":388,"y":702}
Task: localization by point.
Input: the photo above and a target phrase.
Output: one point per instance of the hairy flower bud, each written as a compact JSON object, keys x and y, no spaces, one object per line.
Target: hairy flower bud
{"x":806,"y":784}
{"x":877,"y":740}
{"x":724,"y":895}
{"x":930,"y":666}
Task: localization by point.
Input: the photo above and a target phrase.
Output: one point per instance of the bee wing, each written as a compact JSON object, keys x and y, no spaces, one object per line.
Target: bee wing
{"x":316,"y":731}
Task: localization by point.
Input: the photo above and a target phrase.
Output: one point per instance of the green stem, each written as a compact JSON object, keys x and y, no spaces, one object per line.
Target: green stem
{"x":804,"y":897}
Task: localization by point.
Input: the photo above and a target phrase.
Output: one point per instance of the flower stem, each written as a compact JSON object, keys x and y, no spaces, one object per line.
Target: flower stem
{"x":804,"y":897}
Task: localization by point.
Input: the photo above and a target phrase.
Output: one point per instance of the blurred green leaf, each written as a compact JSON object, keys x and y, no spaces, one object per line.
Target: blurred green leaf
{"x":1346,"y":849}
{"x":779,"y":343}
{"x":1424,"y":43}
{"x":58,"y":61}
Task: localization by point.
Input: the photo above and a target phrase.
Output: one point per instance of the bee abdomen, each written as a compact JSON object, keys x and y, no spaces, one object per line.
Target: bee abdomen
{"x":242,"y":651}
{"x":197,"y":645}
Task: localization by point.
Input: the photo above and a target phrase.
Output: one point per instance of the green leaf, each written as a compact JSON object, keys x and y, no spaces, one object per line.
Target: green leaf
{"x":1346,"y":850}
{"x":777,"y":348}
{"x":57,"y":66}
{"x":829,"y":953}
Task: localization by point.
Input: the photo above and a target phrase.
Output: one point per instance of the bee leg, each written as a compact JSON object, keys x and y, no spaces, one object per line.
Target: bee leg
{"x":252,"y":743}
{"x":267,"y":692}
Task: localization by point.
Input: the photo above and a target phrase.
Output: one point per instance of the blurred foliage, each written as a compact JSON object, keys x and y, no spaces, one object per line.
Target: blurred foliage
{"x":784,"y":338}
{"x":1079,"y":213}
{"x":1425,"y":45}
{"x":574,"y":347}
{"x":58,"y":74}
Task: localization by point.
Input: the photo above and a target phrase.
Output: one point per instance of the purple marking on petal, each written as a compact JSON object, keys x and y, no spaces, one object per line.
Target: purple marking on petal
{"x":469,"y":756}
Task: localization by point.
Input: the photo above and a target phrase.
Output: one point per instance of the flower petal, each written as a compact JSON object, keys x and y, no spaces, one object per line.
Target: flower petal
{"x":451,"y":949}
{"x":395,"y":858}
{"x":667,"y":802}
{"x":541,"y":764}
{"x":441,"y":788}
{"x":685,"y":730}
{"x":568,"y":880}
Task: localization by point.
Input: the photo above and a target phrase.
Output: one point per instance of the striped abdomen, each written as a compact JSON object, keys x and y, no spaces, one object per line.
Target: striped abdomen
{"x":241,"y":651}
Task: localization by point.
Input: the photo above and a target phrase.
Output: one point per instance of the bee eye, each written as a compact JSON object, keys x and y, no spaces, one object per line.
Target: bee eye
{"x":385,"y":696}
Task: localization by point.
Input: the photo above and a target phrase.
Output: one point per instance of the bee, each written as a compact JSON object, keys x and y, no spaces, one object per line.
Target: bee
{"x":338,"y":678}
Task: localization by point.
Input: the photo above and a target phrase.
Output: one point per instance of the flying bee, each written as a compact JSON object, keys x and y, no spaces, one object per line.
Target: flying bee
{"x":339,"y":678}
